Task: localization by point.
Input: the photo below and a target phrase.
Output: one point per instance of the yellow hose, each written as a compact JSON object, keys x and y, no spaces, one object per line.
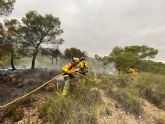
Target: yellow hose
{"x":36,"y":89}
{"x":27,"y":94}
{"x":87,"y":77}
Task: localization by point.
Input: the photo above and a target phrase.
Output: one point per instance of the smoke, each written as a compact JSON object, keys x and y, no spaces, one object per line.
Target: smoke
{"x":100,"y":68}
{"x":45,"y":62}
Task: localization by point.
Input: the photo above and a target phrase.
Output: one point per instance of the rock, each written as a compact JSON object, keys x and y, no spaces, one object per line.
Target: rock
{"x":13,"y":80}
{"x":94,"y":89}
{"x":121,"y":112}
{"x":11,"y":75}
{"x":29,"y":81}
{"x":145,"y":104}
{"x":20,"y":80}
{"x":105,"y":111}
{"x":116,"y":105}
{"x":33,"y":114}
{"x":37,"y":75}
{"x":60,"y":79}
{"x":20,"y":85}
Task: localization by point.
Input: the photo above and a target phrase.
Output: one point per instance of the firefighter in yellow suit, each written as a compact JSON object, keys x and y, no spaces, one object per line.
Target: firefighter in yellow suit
{"x":69,"y":70}
{"x":83,"y":66}
{"x":133,"y":71}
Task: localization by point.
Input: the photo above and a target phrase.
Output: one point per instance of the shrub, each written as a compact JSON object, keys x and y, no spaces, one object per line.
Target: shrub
{"x":151,"y":86}
{"x":129,"y":102}
{"x":77,"y":108}
{"x":13,"y":113}
{"x":60,"y":110}
{"x":122,"y":80}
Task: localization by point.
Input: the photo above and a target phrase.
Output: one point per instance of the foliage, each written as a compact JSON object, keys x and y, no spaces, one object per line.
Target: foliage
{"x":142,"y":52}
{"x":127,"y":90}
{"x":128,"y":56}
{"x":124,"y":60}
{"x":78,"y":108}
{"x":151,"y":66}
{"x":97,"y":57}
{"x":12,"y":113}
{"x":73,"y":52}
{"x":2,"y":52}
{"x":151,"y":86}
{"x":128,"y":101}
{"x":37,"y":30}
{"x":104,"y":60}
{"x":9,"y":41}
{"x":6,"y":7}
{"x":27,"y":36}
{"x":51,"y":53}
{"x":117,"y":87}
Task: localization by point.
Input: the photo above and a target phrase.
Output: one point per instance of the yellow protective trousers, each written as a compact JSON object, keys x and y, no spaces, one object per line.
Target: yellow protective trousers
{"x":66,"y":86}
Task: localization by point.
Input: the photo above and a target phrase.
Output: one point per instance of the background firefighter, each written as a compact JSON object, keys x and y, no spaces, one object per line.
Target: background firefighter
{"x":83,"y":66}
{"x":132,"y":70}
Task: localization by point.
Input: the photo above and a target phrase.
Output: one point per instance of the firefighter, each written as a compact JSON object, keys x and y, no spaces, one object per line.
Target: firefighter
{"x":83,"y":66}
{"x":69,"y":70}
{"x":133,"y":71}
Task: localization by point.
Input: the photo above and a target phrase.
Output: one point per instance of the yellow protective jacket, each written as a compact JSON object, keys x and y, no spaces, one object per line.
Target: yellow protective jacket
{"x":133,"y":71}
{"x":68,"y":68}
{"x":83,"y":64}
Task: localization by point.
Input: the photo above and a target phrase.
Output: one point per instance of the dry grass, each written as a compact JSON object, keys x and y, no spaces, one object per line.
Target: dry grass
{"x":78,"y":108}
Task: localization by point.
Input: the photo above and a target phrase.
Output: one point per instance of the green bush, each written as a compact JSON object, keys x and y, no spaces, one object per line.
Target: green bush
{"x":106,"y":82}
{"x":151,"y":86}
{"x":120,"y":89}
{"x":122,"y":80}
{"x":129,"y":102}
{"x":87,"y":94}
{"x":57,"y":110}
{"x":78,"y":108}
{"x":148,"y":85}
{"x":60,"y":110}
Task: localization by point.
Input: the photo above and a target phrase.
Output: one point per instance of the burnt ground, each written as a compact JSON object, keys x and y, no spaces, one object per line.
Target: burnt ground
{"x":16,"y":83}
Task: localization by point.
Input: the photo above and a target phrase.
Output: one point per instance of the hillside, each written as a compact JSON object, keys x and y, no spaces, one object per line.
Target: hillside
{"x":110,"y":99}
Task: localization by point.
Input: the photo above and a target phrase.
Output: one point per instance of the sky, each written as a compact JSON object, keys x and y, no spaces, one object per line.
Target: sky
{"x":97,"y":26}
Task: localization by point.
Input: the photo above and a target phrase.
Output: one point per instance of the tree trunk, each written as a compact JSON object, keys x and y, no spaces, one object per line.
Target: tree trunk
{"x":56,"y":60}
{"x":52,"y":60}
{"x":34,"y":58}
{"x":12,"y":60}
